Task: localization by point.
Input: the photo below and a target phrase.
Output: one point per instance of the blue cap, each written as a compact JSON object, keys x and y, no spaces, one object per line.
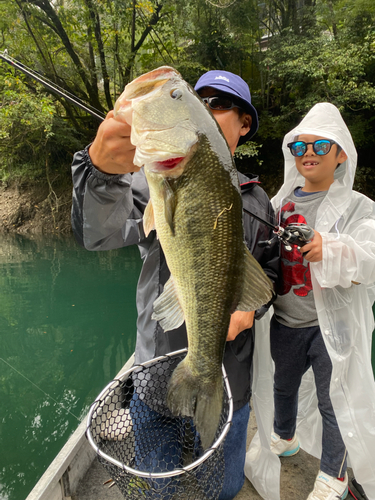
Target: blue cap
{"x":232,"y":84}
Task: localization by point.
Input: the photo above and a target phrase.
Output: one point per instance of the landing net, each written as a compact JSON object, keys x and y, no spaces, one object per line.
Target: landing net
{"x":149,"y":453}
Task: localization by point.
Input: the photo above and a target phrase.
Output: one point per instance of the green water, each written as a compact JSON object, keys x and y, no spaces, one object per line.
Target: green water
{"x":67,"y":326}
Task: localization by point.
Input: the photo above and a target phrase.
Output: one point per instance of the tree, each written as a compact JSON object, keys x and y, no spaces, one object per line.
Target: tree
{"x":318,"y":65}
{"x":292,"y":53}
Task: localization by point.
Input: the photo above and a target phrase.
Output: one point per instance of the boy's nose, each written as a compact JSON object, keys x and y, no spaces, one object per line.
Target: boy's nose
{"x":309,"y":149}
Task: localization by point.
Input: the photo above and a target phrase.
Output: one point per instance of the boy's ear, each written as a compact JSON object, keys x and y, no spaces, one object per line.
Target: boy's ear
{"x":342,"y":157}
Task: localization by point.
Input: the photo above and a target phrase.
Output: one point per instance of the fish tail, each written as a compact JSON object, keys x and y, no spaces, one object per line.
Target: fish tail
{"x":188,"y":396}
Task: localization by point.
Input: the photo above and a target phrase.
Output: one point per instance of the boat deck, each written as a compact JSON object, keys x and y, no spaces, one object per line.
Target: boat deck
{"x":297,"y":478}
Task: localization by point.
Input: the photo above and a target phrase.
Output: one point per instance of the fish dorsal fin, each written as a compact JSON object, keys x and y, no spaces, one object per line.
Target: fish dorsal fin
{"x":167,"y":308}
{"x":257,"y":288}
{"x":148,"y":218}
{"x":170,"y":202}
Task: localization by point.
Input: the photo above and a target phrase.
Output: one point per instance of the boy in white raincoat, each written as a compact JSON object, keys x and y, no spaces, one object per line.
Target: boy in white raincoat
{"x":341,"y":266}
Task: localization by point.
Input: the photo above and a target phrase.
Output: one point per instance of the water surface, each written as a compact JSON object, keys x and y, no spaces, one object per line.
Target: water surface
{"x":67,"y":326}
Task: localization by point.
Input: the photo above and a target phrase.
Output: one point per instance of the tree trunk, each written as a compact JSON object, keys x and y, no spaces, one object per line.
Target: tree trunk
{"x":136,"y":46}
{"x":94,"y":15}
{"x":58,"y":28}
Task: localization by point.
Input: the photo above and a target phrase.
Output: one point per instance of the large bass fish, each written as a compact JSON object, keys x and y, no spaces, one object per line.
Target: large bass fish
{"x":196,"y":208}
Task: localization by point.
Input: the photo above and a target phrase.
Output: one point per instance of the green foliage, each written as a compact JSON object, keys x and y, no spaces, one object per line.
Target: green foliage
{"x":31,"y":132}
{"x":292,"y":54}
{"x":25,"y":126}
{"x":248,"y":150}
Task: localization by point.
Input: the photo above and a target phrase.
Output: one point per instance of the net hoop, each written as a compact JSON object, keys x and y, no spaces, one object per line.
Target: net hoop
{"x":155,"y":475}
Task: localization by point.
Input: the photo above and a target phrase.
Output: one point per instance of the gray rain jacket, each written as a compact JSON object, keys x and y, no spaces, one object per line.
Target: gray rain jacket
{"x":107,"y":213}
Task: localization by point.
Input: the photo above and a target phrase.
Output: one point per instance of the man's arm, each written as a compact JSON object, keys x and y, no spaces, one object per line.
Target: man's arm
{"x":108,"y":199}
{"x":268,"y":256}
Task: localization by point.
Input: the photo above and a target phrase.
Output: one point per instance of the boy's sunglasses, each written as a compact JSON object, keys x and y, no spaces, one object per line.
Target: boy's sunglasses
{"x":219,"y":102}
{"x":321,"y":147}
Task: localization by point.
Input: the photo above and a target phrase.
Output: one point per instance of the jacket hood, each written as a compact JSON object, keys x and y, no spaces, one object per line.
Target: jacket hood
{"x":324,"y":120}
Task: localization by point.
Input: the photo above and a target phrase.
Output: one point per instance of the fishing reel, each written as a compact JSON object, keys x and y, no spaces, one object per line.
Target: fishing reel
{"x":298,"y":234}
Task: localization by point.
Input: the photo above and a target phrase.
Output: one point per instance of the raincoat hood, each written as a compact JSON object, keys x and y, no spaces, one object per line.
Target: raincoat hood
{"x":323,"y":120}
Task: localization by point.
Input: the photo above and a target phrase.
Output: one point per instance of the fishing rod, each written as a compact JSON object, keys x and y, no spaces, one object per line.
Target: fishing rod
{"x":293,"y":234}
{"x":53,"y":87}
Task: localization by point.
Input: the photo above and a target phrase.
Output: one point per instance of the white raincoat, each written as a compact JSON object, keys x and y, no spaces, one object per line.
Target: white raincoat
{"x":346,"y":222}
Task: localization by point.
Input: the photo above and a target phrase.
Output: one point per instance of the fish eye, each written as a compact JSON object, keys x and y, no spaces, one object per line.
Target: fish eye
{"x":176,"y":93}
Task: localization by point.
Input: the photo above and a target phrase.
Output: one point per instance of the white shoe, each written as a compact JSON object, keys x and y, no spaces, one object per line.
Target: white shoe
{"x":283,"y":447}
{"x":329,"y":488}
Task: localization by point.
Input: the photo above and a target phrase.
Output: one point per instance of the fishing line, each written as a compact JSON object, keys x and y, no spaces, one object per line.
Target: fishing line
{"x":31,"y":382}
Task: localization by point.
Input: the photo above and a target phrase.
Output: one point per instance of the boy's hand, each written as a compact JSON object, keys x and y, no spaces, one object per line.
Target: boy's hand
{"x":112,"y":152}
{"x":240,"y":321}
{"x":313,"y":251}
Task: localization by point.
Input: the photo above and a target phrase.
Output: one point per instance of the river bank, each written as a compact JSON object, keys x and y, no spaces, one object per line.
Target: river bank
{"x":35,"y":208}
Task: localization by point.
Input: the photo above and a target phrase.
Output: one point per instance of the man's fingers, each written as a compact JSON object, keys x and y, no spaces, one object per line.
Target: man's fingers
{"x":239,"y":322}
{"x":116,"y":129}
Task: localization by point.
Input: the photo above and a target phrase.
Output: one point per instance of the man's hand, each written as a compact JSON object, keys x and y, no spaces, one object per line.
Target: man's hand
{"x":239,"y":322}
{"x":112,"y":152}
{"x":314,"y":249}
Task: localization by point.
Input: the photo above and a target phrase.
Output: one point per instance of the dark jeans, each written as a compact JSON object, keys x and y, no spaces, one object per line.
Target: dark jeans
{"x":294,"y":350}
{"x":152,"y":427}
{"x":235,"y":454}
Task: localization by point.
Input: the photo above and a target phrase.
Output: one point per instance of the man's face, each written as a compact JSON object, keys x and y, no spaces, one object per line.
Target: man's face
{"x":231,"y":123}
{"x":318,"y":170}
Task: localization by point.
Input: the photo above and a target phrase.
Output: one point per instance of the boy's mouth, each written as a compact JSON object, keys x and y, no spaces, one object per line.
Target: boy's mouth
{"x":310,"y":163}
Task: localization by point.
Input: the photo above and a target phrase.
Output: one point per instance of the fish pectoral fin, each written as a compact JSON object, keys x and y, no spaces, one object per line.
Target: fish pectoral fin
{"x":257,"y":287}
{"x":170,"y":203}
{"x":148,"y":219}
{"x":167,"y":308}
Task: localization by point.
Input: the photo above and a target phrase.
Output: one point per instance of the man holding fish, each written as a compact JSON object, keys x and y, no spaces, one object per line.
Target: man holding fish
{"x":184,"y":211}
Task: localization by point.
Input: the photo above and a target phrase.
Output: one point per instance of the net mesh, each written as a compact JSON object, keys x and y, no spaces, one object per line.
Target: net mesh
{"x":147,"y":451}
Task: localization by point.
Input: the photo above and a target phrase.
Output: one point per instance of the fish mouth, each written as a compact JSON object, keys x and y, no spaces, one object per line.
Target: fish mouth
{"x":166,"y":165}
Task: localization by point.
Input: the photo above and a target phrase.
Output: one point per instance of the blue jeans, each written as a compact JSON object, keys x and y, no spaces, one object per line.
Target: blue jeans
{"x":294,"y":350}
{"x":158,"y":441}
{"x":235,"y":454}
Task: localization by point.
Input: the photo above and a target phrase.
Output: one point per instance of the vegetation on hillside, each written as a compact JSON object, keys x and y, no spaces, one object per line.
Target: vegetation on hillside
{"x":292,"y":53}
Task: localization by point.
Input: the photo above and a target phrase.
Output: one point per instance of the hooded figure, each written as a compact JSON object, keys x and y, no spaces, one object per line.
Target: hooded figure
{"x":343,"y":287}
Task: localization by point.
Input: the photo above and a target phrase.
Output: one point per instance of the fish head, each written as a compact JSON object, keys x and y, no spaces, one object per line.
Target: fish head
{"x":163,"y":111}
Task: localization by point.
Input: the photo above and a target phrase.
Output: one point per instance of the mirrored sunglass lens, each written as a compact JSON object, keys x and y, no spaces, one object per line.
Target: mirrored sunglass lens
{"x":220,"y":103}
{"x":322,"y":147}
{"x":298,"y":148}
